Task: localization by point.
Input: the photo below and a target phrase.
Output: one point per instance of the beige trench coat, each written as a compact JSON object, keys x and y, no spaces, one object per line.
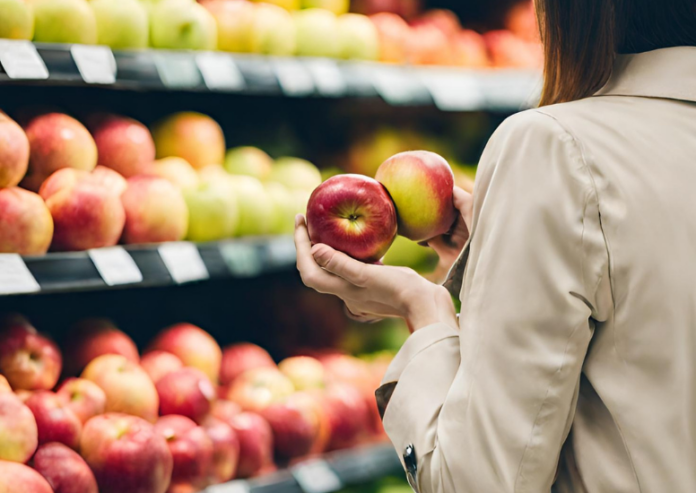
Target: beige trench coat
{"x":574,"y":363}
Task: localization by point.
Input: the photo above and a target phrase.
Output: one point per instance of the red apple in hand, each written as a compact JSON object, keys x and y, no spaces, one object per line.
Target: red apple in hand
{"x":353,"y":214}
{"x":238,"y":358}
{"x":64,"y":469}
{"x":126,"y":454}
{"x":225,"y":449}
{"x":187,"y":392}
{"x":421,"y":184}
{"x":54,"y":419}
{"x":18,"y":478}
{"x":18,"y":432}
{"x":84,"y":398}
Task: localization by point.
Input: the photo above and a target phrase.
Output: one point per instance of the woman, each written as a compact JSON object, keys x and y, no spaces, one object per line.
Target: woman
{"x":573,"y":363}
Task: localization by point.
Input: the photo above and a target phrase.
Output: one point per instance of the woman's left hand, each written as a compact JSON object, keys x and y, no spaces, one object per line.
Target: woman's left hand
{"x":371,"y":291}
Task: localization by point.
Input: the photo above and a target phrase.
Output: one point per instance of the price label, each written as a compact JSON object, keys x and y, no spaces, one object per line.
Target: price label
{"x":231,"y":487}
{"x":220,"y":72}
{"x":293,"y":76}
{"x":315,"y":476}
{"x":96,"y":64}
{"x":395,"y":84}
{"x":15,"y":277}
{"x":183,"y":261}
{"x":282,"y":251}
{"x":177,"y":70}
{"x":454,"y":90}
{"x":115,"y":265}
{"x":328,"y":79}
{"x":21,"y":60}
{"x":242,"y":259}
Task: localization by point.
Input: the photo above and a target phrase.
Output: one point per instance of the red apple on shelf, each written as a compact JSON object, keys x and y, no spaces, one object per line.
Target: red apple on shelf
{"x":18,"y":478}
{"x":304,"y":372}
{"x":311,"y":403}
{"x":191,"y":449}
{"x":84,"y":398}
{"x":4,"y":385}
{"x":127,"y":387}
{"x":225,"y":410}
{"x":469,"y":50}
{"x":225,"y":449}
{"x":255,"y":390}
{"x":353,"y":214}
{"x":421,"y":184}
{"x":110,"y":179}
{"x":393,"y":33}
{"x":159,"y":364}
{"x":238,"y":358}
{"x":403,"y":8}
{"x":64,"y":469}
{"x":195,"y":137}
{"x":444,"y":20}
{"x":255,"y":443}
{"x":28,"y":359}
{"x":186,"y":392}
{"x":54,"y":419}
{"x":194,"y":346}
{"x":94,"y":337}
{"x":428,"y":45}
{"x":126,"y":454}
{"x":295,"y":429}
{"x":348,"y":415}
{"x":124,"y":145}
{"x":18,"y":431}
{"x":26,"y":225}
{"x":14,"y":152}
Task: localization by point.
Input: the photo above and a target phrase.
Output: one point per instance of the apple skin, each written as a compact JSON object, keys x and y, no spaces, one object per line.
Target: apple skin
{"x":255,"y":443}
{"x":470,"y":50}
{"x":16,"y":20}
{"x":238,"y":358}
{"x":213,"y":212}
{"x":126,"y":454}
{"x":225,"y":410}
{"x":191,"y":449}
{"x":348,"y":415}
{"x":64,"y":21}
{"x":273,"y":31}
{"x":393,"y":33}
{"x":195,"y":137}
{"x":194,"y":346}
{"x":121,"y":24}
{"x":428,"y":45}
{"x":26,"y":225}
{"x":187,"y":392}
{"x":18,"y":478}
{"x":358,"y":37}
{"x":64,"y":469}
{"x":14,"y":148}
{"x":295,"y":174}
{"x":234,"y":23}
{"x":295,"y":430}
{"x":317,"y":33}
{"x":178,"y":171}
{"x":250,"y":161}
{"x":124,"y":145}
{"x":353,"y":214}
{"x":84,"y":398}
{"x":54,"y":419}
{"x":18,"y":430}
{"x":304,"y":372}
{"x":255,"y":390}
{"x":225,"y":449}
{"x":4,"y":385}
{"x":159,"y":364}
{"x":28,"y":360}
{"x":182,"y":25}
{"x":421,"y":184}
{"x":127,"y":387}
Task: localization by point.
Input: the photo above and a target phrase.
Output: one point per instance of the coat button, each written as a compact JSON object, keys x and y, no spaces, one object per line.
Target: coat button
{"x":411,"y":465}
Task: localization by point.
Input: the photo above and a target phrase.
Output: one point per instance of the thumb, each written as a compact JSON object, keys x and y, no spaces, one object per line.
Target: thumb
{"x":340,"y":264}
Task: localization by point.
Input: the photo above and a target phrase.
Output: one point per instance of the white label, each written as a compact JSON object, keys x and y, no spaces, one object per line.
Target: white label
{"x":394,"y":84}
{"x":220,"y":72}
{"x":177,"y":70}
{"x":183,"y":262}
{"x":231,"y":487}
{"x":453,"y":90}
{"x":115,"y":265}
{"x":15,"y":277}
{"x":96,"y":64}
{"x":327,"y":77}
{"x":21,"y":60}
{"x":316,"y":476}
{"x":242,"y":259}
{"x":293,"y":76}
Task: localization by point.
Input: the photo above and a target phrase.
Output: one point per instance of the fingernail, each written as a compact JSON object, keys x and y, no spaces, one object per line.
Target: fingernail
{"x":299,"y":219}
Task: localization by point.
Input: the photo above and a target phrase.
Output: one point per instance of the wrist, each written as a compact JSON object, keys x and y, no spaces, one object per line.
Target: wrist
{"x":433,"y":307}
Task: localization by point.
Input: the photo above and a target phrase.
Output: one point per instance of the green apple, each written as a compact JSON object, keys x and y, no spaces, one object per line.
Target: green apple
{"x":273,"y":31}
{"x":256,"y":211}
{"x":121,"y":24}
{"x":249,"y":161}
{"x":301,"y":199}
{"x":16,"y":20}
{"x":285,"y":208}
{"x":213,"y":212}
{"x":327,"y":173}
{"x":407,"y":253}
{"x":338,"y":7}
{"x":317,"y":33}
{"x":358,"y":37}
{"x":235,"y":21}
{"x":295,"y":174}
{"x":286,"y":4}
{"x":182,"y":25}
{"x":64,"y":21}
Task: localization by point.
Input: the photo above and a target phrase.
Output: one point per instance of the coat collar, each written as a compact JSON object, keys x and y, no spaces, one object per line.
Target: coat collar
{"x":668,"y":73}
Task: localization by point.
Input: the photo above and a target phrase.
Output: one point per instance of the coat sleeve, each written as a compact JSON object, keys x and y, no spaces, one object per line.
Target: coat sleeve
{"x":488,"y":407}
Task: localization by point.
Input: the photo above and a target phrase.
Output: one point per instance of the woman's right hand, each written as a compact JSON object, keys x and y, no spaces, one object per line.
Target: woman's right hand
{"x":450,"y":245}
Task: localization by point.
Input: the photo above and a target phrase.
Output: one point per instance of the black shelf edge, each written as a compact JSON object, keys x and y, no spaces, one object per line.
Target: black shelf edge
{"x":449,"y":89}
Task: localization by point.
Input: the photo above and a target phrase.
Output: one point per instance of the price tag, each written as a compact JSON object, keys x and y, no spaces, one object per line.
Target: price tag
{"x":15,"y":277}
{"x":177,"y":70}
{"x":282,"y":251}
{"x":328,"y":79}
{"x":96,"y":64}
{"x":115,"y":265}
{"x":231,"y":487}
{"x":395,"y":84}
{"x":242,"y":259}
{"x":183,"y":261}
{"x":220,"y":72}
{"x":21,"y":60}
{"x":315,"y":476}
{"x":453,"y":90}
{"x":293,"y":76}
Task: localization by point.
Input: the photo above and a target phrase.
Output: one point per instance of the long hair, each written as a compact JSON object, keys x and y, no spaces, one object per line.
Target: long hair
{"x":582,"y":38}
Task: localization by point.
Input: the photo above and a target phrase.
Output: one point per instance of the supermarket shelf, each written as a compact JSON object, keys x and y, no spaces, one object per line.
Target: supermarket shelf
{"x":450,"y":89}
{"x":145,"y":266}
{"x":330,"y":474}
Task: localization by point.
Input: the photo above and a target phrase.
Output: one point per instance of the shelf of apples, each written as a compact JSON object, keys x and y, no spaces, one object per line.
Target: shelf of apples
{"x":184,"y":415}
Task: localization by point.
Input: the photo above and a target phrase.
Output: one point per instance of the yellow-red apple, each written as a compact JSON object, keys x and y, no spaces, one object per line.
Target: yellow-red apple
{"x":194,"y":346}
{"x":353,"y":214}
{"x":178,"y":171}
{"x":186,"y":392}
{"x":317,"y":33}
{"x":159,"y":364}
{"x":84,"y":398}
{"x":14,"y":152}
{"x":64,"y":469}
{"x":358,"y":37}
{"x":18,"y":431}
{"x":273,"y":31}
{"x":250,"y":161}
{"x":255,"y":390}
{"x":469,"y":50}
{"x":225,"y":449}
{"x":195,"y":137}
{"x":4,"y":385}
{"x":55,"y":420}
{"x":28,"y":359}
{"x":428,"y":45}
{"x":110,"y":179}
{"x":26,"y":225}
{"x":18,"y":478}
{"x":123,"y":144}
{"x":393,"y":33}
{"x":235,"y":21}
{"x":238,"y":358}
{"x":295,"y":173}
{"x":224,"y":409}
{"x":255,"y":443}
{"x":304,"y":372}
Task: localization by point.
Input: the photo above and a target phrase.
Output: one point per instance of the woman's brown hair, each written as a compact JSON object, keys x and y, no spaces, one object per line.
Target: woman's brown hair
{"x":582,"y":37}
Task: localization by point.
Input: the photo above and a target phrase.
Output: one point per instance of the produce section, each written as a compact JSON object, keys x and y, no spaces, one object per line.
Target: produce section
{"x":153,"y":156}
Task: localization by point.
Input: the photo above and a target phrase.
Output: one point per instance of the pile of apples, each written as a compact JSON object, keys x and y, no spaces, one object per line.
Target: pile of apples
{"x":184,"y":415}
{"x":73,"y":187}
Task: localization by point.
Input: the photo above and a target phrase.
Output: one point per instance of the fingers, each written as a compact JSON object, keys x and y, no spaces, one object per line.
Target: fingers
{"x":342,"y":265}
{"x":464,"y":203}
